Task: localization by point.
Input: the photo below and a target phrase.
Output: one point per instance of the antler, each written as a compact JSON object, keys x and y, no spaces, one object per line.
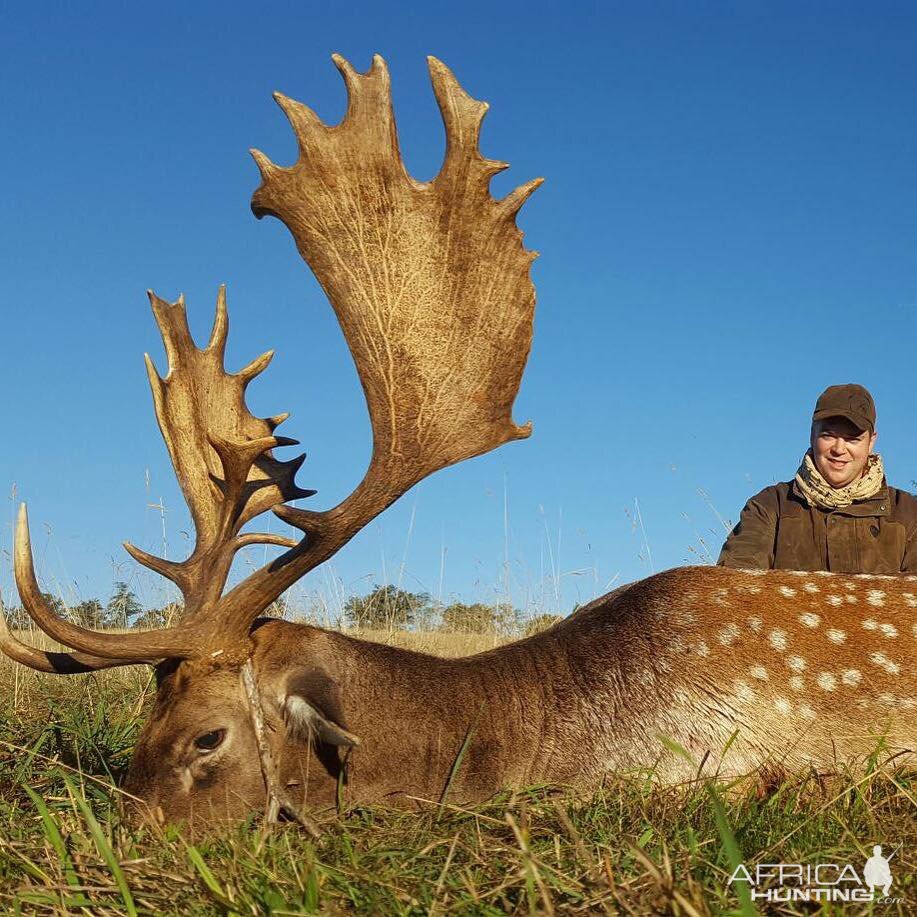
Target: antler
{"x":223,"y":460}
{"x":221,"y":453}
{"x":430,"y":283}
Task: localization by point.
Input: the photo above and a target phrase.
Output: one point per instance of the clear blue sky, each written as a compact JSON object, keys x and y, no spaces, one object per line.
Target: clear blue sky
{"x":728,"y":225}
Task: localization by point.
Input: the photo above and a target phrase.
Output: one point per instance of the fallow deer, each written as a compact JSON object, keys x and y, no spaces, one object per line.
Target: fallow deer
{"x":431,"y":285}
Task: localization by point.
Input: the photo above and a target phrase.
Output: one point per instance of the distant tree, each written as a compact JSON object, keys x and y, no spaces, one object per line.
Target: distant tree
{"x":386,"y":607}
{"x":479,"y":618}
{"x":56,"y":603}
{"x":88,"y":614}
{"x":122,"y":607}
{"x":154,"y":618}
{"x":540,"y":623}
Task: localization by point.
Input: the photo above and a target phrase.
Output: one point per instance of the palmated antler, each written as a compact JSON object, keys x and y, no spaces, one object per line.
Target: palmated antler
{"x":432,"y":288}
{"x":431,"y":285}
{"x":430,"y":281}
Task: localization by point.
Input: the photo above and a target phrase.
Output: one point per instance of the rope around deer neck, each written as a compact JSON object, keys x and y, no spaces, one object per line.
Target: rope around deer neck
{"x":278,"y":800}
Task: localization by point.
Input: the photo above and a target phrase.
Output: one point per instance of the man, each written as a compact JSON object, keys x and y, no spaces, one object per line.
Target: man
{"x":838,"y":513}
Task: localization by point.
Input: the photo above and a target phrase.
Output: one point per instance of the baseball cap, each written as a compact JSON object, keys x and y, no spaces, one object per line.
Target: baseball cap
{"x":851,"y":401}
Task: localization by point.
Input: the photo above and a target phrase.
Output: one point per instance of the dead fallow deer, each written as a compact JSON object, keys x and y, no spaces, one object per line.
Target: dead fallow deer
{"x":431,"y":285}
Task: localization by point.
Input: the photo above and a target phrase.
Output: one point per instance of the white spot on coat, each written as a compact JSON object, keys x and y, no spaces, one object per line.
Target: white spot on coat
{"x":743,"y":689}
{"x":728,"y":634}
{"x":806,"y":712}
{"x":883,"y":662}
{"x":851,"y":677}
{"x":835,"y":600}
{"x":786,"y":591}
{"x":810,"y":587}
{"x":836,"y":636}
{"x":702,"y":649}
{"x":755,"y":623}
{"x":796,"y":663}
{"x":797,"y":683}
{"x":876,"y":597}
{"x":889,"y":631}
{"x":782,"y":705}
{"x":809,"y":619}
{"x":777,"y":639}
{"x":826,"y":681}
{"x":870,"y":624}
{"x":759,"y":672}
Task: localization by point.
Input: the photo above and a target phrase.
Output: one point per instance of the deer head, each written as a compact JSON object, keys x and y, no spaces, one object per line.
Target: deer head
{"x":431,"y":285}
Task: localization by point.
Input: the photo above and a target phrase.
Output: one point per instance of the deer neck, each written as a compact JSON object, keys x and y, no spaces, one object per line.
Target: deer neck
{"x":502,"y":718}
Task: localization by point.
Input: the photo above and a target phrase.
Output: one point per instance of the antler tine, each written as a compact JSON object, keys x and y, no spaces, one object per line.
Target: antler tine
{"x":430,"y":283}
{"x":220,"y":330}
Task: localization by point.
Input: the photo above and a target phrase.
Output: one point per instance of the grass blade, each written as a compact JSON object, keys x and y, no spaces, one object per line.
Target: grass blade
{"x":732,"y":850}
{"x":56,"y":840}
{"x":209,"y":879}
{"x":457,"y":763}
{"x":104,"y":848}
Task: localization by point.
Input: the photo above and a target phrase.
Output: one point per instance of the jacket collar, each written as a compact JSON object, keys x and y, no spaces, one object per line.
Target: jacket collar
{"x":878,"y":505}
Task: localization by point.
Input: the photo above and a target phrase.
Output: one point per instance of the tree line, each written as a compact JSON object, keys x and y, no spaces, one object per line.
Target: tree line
{"x":383,"y":608}
{"x":391,"y":608}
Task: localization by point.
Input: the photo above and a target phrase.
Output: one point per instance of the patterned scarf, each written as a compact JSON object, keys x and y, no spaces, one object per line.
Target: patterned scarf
{"x":820,"y":493}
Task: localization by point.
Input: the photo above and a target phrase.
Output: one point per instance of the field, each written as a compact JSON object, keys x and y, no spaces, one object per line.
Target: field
{"x":632,"y":847}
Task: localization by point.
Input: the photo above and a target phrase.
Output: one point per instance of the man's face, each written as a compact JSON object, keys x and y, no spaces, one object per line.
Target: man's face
{"x":840,"y":450}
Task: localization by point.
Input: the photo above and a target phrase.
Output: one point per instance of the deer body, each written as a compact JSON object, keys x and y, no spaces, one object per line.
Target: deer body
{"x":769,"y":667}
{"x":431,"y":285}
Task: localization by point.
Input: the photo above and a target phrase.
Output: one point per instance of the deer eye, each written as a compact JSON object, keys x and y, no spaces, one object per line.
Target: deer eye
{"x":209,"y":740}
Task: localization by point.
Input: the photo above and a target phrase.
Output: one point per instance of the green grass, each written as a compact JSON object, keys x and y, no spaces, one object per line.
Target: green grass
{"x":631,"y":847}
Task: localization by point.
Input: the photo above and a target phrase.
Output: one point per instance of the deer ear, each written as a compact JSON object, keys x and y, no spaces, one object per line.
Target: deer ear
{"x":313,"y":709}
